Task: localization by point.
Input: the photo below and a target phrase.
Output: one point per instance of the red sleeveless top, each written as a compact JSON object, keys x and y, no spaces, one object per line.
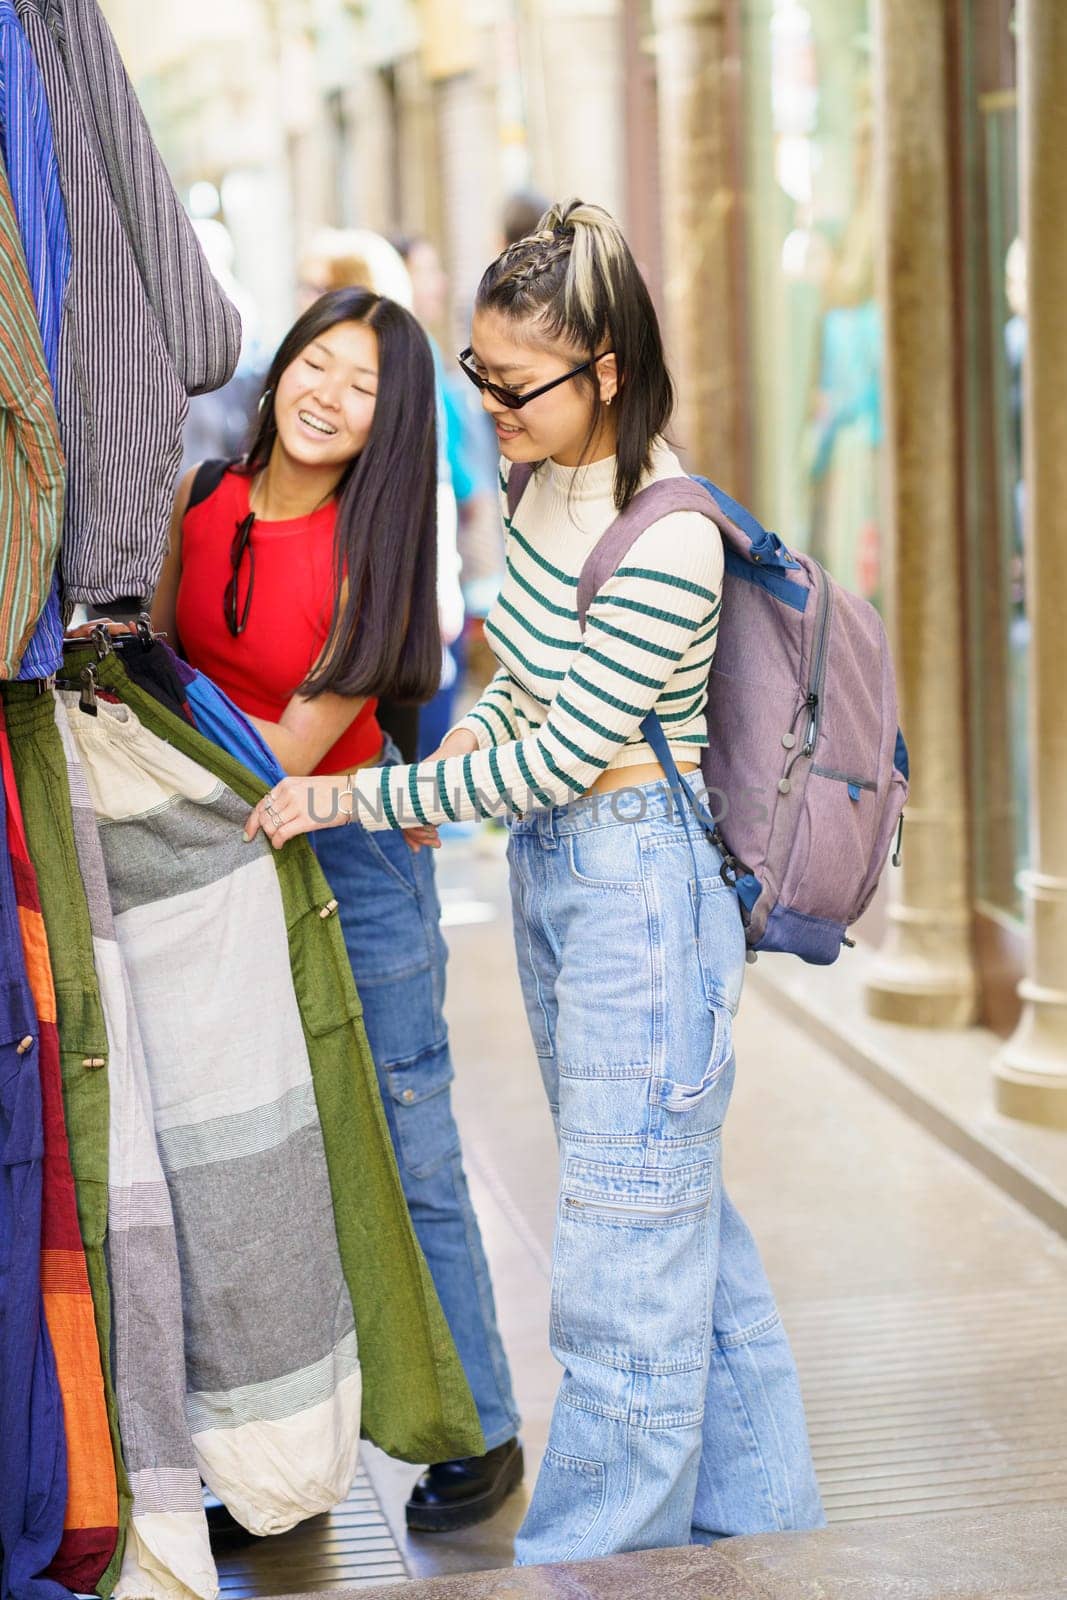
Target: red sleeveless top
{"x":288,"y":619}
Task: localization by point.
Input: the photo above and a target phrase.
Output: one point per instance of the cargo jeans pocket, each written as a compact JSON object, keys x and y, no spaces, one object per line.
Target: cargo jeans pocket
{"x":676,"y":1093}
{"x":422,"y":1108}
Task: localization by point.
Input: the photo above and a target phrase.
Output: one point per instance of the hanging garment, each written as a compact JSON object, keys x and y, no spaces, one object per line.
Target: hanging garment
{"x":202,"y":329}
{"x":31,"y":458}
{"x":90,"y":1529}
{"x":273,"y":1380}
{"x":168,"y":1556}
{"x":417,"y":1404}
{"x":156,"y":668}
{"x":217,"y":718}
{"x":29,"y":152}
{"x":114,"y":365}
{"x":211,"y":710}
{"x":33,"y":1460}
{"x":41,"y":779}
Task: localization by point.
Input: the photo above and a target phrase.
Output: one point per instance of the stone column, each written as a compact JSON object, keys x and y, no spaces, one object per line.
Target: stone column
{"x":699,"y":208}
{"x":1031,"y":1074}
{"x":925,"y":972}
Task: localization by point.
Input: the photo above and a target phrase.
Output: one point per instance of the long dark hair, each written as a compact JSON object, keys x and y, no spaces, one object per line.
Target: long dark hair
{"x":384,"y":639}
{"x":576,"y":279}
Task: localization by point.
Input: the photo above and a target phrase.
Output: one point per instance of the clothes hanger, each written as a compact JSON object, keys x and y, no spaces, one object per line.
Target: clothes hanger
{"x":105,"y":643}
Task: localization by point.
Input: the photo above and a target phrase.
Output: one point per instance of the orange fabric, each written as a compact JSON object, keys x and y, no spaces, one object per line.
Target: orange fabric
{"x":38,"y":966}
{"x":59,"y":1272}
{"x":92,"y":1498}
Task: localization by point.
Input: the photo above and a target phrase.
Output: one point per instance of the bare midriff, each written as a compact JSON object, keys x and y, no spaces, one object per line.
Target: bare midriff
{"x":634,"y":777}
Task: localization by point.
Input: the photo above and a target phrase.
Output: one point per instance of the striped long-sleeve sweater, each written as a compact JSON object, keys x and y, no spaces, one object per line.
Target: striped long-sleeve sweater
{"x":563,"y":707}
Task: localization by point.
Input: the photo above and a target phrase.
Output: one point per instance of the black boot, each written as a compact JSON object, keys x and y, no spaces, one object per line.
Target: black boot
{"x":457,"y":1494}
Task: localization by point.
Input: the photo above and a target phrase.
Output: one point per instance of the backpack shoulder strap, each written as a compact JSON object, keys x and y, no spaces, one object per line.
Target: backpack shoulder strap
{"x":519,"y":475}
{"x":209,"y":474}
{"x":647,"y":506}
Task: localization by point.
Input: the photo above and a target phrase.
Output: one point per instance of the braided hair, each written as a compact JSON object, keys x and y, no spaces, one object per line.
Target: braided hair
{"x":575,"y":279}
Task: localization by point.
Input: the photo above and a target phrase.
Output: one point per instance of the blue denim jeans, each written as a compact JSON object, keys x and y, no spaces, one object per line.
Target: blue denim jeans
{"x":679,"y":1417}
{"x":390,"y":917}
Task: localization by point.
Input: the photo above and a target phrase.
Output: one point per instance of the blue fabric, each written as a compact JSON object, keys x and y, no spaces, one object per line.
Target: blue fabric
{"x":33,"y":1461}
{"x":33,"y":173}
{"x":770,"y":549}
{"x":784,"y":589}
{"x":900,"y":757}
{"x":438,"y":714}
{"x":444,"y":463}
{"x":472,"y":443}
{"x":219,"y":720}
{"x":813,"y":939}
{"x":679,"y":1416}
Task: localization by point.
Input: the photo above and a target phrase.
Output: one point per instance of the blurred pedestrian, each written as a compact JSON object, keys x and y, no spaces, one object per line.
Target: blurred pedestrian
{"x":679,"y":1416}
{"x":302,"y":579}
{"x":218,"y":421}
{"x":471,"y":447}
{"x":521,"y":216}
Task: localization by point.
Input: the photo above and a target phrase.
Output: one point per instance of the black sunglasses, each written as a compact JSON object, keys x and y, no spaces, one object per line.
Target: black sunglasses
{"x":242,"y":541}
{"x":508,"y":397}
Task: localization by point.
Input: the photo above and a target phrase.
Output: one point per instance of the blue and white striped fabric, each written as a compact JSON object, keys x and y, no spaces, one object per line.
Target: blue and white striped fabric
{"x":33,"y":174}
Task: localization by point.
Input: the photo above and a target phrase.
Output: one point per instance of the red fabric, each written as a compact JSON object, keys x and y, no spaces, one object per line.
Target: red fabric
{"x":292,"y":603}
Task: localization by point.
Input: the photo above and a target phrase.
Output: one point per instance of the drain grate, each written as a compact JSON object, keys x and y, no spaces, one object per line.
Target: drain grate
{"x":350,"y":1548}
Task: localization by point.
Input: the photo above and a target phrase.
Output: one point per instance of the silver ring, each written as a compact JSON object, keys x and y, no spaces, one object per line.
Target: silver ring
{"x":273,"y":815}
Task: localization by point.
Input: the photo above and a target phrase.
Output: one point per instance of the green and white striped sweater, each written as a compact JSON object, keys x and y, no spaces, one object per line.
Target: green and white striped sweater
{"x":562,"y":708}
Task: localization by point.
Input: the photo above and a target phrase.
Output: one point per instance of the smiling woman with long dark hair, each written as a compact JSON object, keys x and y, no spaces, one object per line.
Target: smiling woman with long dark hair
{"x":303,"y":580}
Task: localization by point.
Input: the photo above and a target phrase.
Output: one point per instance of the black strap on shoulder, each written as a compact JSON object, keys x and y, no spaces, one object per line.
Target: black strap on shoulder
{"x":209,"y":474}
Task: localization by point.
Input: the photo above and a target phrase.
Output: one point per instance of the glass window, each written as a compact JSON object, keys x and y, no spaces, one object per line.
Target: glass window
{"x":815,"y":322}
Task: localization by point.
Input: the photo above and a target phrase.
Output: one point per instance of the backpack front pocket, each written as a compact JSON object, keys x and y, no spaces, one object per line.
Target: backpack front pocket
{"x":831,"y":853}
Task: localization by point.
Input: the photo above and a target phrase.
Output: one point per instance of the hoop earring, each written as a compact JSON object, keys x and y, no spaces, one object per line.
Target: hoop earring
{"x":264,"y":398}
{"x":609,"y":399}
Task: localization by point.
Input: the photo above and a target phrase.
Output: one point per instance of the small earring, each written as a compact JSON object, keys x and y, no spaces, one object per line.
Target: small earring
{"x":264,"y":399}
{"x":609,"y":399}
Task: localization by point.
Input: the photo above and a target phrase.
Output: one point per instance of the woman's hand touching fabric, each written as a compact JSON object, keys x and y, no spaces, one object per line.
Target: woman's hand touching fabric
{"x":300,"y":805}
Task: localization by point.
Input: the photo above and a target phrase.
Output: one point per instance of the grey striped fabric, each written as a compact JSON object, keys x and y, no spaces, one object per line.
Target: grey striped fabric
{"x":273,"y":1385}
{"x":168,"y":1556}
{"x":143,"y":321}
{"x":120,"y":404}
{"x":201,"y":328}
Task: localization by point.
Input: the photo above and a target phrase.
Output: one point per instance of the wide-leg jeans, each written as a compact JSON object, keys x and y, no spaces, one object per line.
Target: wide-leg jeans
{"x":679,"y":1417}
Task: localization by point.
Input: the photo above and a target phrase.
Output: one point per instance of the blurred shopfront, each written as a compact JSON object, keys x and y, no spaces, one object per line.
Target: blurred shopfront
{"x":827,"y":197}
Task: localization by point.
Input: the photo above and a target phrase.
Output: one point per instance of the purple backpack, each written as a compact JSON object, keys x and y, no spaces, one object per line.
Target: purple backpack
{"x":806,"y":769}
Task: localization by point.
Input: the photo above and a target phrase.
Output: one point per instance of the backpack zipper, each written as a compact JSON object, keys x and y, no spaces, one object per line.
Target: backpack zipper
{"x":813,"y":700}
{"x":822,"y":636}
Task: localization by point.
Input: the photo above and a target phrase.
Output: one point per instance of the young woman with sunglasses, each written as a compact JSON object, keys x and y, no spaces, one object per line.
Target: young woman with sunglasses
{"x":302,"y":579}
{"x":679,"y":1415}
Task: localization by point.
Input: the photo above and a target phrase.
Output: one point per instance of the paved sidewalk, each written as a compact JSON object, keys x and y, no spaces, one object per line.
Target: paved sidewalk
{"x":927,"y":1310}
